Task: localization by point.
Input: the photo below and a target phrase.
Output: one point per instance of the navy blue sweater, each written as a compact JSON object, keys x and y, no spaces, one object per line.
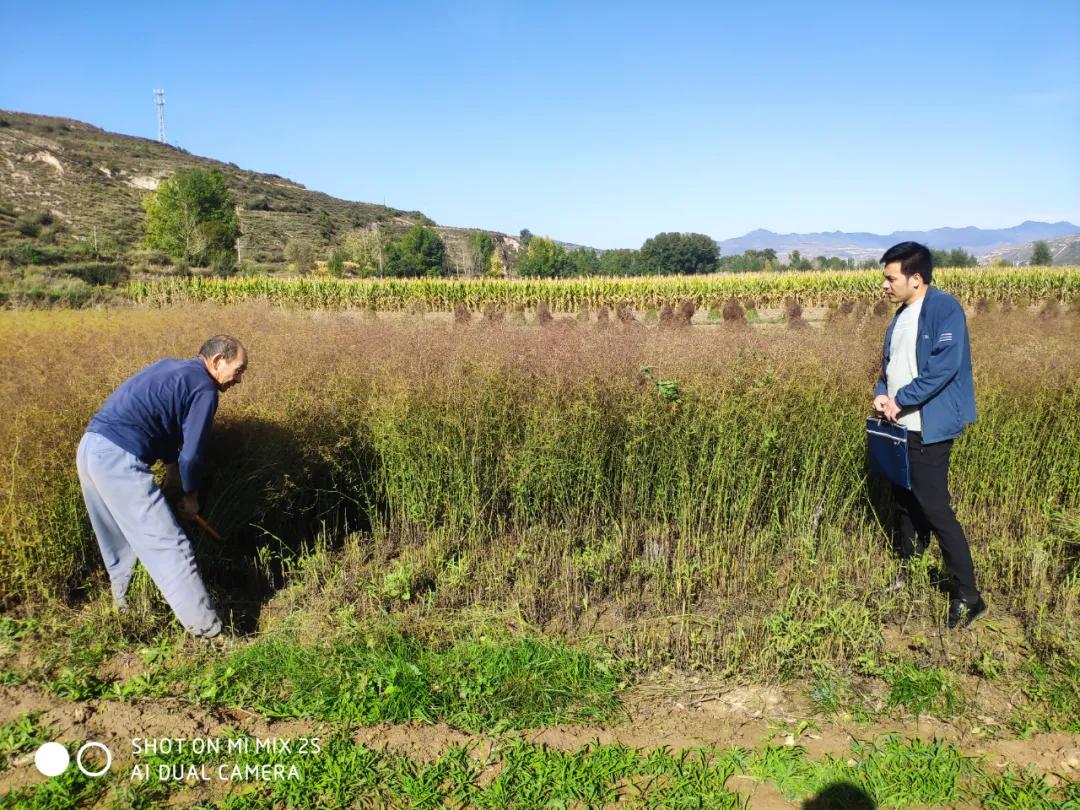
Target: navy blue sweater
{"x":163,"y":412}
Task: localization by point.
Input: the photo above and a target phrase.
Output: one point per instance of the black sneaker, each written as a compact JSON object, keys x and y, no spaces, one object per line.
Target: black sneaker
{"x":961,"y":614}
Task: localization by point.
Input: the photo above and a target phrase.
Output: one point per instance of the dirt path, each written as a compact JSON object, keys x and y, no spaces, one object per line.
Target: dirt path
{"x":742,"y":716}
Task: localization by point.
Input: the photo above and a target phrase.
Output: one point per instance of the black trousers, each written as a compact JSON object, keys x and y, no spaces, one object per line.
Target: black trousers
{"x":927,"y":508}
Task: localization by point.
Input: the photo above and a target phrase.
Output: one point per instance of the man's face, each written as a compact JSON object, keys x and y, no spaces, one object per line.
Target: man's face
{"x":897,"y":287}
{"x":227,"y":373}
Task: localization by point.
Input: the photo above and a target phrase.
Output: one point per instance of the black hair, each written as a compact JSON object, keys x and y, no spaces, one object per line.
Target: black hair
{"x":225,"y":345}
{"x":913,"y":257}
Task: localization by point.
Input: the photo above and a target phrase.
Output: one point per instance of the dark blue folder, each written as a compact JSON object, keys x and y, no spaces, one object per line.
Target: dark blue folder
{"x":887,"y":449}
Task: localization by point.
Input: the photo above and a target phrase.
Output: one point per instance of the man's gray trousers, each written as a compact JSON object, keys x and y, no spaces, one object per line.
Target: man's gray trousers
{"x":132,"y":522}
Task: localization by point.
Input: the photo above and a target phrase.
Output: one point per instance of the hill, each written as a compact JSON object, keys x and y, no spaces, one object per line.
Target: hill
{"x":1064,"y":250}
{"x":90,"y":184}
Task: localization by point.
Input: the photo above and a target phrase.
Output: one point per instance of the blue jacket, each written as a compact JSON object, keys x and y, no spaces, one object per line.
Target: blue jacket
{"x":163,"y":412}
{"x":944,"y":390}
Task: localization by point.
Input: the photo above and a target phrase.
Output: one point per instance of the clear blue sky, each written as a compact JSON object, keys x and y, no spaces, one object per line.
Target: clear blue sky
{"x":601,"y":124}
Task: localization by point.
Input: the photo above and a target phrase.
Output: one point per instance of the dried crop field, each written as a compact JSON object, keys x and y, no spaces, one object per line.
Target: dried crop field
{"x":534,"y":522}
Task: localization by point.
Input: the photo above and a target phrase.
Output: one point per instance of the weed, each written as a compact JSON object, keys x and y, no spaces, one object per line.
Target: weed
{"x":923,"y":690}
{"x":20,"y":735}
{"x":478,"y":684}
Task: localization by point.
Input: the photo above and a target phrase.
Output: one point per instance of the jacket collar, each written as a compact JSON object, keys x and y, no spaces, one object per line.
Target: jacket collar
{"x":930,"y":291}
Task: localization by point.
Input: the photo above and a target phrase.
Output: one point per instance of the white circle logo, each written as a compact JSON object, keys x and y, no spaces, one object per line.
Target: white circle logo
{"x":108,"y":758}
{"x":52,"y":759}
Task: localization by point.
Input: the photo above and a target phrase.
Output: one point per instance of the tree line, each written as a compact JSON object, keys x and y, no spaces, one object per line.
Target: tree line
{"x":192,"y":217}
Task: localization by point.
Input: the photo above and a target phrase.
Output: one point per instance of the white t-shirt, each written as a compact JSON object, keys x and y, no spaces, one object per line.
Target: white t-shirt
{"x":903,"y":366}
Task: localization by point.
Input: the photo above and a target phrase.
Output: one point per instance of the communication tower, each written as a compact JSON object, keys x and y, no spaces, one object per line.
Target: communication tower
{"x":159,"y":101}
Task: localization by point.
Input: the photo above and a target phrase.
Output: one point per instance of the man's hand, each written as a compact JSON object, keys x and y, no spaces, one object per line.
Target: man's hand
{"x":880,"y":401}
{"x":172,"y":477}
{"x":892,"y":410}
{"x":188,"y":506}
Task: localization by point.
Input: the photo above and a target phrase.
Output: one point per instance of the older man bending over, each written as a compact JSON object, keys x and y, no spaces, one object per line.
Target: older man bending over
{"x":163,"y":412}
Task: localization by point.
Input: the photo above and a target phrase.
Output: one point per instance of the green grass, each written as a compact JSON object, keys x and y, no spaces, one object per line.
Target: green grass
{"x":833,"y":693}
{"x":484,"y":679}
{"x":1026,"y":790}
{"x":888,"y":773}
{"x":1052,"y":690}
{"x":22,"y":734}
{"x":12,"y":630}
{"x":923,"y":690}
{"x":475,"y":685}
{"x":900,"y":773}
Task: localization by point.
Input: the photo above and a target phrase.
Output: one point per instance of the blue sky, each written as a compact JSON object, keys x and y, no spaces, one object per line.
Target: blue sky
{"x":596,"y":123}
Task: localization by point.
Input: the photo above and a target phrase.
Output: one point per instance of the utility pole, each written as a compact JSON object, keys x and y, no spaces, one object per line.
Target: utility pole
{"x":239,"y":257}
{"x":159,"y":102}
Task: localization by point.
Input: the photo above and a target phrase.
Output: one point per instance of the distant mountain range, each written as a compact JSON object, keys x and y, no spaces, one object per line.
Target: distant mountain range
{"x":860,"y":246}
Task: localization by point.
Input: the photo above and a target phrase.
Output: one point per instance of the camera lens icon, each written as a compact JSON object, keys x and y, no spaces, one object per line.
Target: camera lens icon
{"x":52,"y":759}
{"x":89,"y":746}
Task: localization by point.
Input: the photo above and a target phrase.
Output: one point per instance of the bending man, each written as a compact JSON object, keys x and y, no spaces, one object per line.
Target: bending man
{"x":163,"y":412}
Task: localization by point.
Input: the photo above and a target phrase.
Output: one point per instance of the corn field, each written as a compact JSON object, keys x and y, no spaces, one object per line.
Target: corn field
{"x":825,"y":288}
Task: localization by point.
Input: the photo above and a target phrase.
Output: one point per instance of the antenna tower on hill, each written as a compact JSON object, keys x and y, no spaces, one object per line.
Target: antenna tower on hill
{"x":159,"y":101}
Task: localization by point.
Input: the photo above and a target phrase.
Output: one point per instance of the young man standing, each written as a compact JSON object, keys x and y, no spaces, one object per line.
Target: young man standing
{"x":163,"y":412}
{"x":926,"y":385}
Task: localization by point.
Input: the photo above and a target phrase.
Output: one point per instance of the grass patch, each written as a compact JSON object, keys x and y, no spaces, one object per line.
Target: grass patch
{"x":900,"y":773}
{"x":888,"y":773}
{"x":1052,"y":692}
{"x":20,"y":735}
{"x":892,"y":772}
{"x":71,"y":789}
{"x":1026,"y":790}
{"x":923,"y":690}
{"x":833,"y":693}
{"x":474,"y":685}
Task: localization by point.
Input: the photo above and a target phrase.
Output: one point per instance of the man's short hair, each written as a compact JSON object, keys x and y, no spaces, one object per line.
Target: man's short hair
{"x":913,"y":257}
{"x":225,"y":345}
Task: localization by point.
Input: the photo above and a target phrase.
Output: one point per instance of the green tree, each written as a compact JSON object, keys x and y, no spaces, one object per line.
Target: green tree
{"x":300,"y":255}
{"x":484,"y":247}
{"x":367,"y":248}
{"x":957,"y":257}
{"x":797,"y":262}
{"x":335,"y":264}
{"x":545,"y":259}
{"x":495,"y":268}
{"x":750,"y":261}
{"x":1042,"y":257}
{"x":525,"y":237}
{"x":191,"y":216}
{"x":585,"y":262}
{"x":679,"y":253}
{"x":420,"y":252}
{"x":619,"y":263}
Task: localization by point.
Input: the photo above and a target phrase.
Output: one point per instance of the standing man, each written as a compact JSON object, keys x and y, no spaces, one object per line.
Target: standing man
{"x":162,"y":412}
{"x":926,"y":386}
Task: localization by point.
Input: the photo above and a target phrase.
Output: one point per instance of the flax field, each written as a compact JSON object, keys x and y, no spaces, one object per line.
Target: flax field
{"x":500,"y":523}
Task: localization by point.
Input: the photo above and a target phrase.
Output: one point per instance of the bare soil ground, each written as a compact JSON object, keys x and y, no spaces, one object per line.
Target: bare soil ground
{"x":678,"y":716}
